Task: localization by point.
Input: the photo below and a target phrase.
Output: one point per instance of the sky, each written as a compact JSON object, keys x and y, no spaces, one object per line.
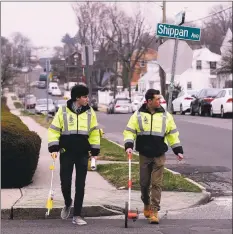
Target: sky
{"x":45,"y":23}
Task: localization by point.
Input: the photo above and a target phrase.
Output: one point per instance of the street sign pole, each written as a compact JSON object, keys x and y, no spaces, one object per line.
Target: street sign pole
{"x":172,"y":75}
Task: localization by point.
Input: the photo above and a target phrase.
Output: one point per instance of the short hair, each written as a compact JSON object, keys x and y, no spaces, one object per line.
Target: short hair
{"x":78,"y":91}
{"x":150,"y":94}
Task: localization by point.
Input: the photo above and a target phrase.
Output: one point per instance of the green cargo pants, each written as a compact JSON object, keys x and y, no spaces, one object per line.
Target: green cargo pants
{"x":151,"y":173}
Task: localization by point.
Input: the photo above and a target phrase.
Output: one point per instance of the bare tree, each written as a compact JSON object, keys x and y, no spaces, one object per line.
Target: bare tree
{"x":7,"y":72}
{"x":215,"y":27}
{"x":131,"y":39}
{"x":21,"y":46}
{"x":89,"y":19}
{"x":227,"y":62}
{"x":69,"y":44}
{"x":59,"y":52}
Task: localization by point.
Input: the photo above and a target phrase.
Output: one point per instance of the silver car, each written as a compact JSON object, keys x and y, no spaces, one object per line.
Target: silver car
{"x":120,"y":105}
{"x":59,"y":103}
{"x":41,"y":106}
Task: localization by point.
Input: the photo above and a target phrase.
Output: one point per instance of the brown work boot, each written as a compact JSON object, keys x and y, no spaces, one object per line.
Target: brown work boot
{"x":147,"y":211}
{"x":154,"y":217}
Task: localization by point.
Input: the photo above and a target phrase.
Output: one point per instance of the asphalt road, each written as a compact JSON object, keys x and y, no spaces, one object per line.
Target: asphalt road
{"x":39,"y":93}
{"x":207,"y":144}
{"x":103,"y":226}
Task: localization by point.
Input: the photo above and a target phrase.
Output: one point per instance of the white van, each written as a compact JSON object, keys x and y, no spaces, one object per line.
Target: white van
{"x":30,"y":101}
{"x":51,"y":85}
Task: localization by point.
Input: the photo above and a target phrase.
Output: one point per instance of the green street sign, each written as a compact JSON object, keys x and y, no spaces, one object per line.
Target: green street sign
{"x":179,"y":32}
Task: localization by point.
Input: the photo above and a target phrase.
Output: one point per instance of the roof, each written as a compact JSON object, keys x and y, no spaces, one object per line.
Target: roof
{"x":205,"y":54}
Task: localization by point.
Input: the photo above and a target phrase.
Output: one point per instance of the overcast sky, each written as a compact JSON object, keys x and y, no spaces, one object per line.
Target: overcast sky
{"x":46,"y":22}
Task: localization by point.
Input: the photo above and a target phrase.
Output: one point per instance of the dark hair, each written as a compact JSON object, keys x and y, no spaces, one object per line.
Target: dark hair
{"x":78,"y":91}
{"x":150,"y":94}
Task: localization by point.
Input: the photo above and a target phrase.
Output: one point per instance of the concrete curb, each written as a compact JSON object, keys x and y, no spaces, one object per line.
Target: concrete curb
{"x":39,"y":213}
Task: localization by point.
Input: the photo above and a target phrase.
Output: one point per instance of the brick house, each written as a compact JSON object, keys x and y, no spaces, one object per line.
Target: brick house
{"x":141,"y":66}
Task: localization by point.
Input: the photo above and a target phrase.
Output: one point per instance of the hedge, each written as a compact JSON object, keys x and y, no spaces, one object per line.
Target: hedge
{"x":20,"y":151}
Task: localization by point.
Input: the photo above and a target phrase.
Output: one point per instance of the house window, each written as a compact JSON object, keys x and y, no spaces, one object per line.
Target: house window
{"x":189,"y":85}
{"x":213,"y":66}
{"x":199,"y":65}
{"x":142,"y":63}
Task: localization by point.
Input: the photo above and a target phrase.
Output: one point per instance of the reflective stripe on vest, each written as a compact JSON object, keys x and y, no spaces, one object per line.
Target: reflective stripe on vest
{"x":65,"y":119}
{"x":153,"y":133}
{"x":80,"y":132}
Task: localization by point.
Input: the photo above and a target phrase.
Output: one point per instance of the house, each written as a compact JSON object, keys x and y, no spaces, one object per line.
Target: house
{"x":141,"y":66}
{"x":224,"y":76}
{"x":202,"y":73}
{"x":151,"y":79}
{"x":73,"y":67}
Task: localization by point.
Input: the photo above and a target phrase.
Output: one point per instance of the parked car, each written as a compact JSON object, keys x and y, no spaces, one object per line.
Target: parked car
{"x":56,"y":91}
{"x":30,"y":101}
{"x":25,"y":69}
{"x":41,"y":106}
{"x":21,"y":93}
{"x":222,"y":104}
{"x":51,"y":86}
{"x":120,"y":105}
{"x":136,"y":103}
{"x":182,"y":102}
{"x":202,"y":101}
{"x":94,"y":104}
{"x":41,"y":85}
{"x":34,"y":83}
{"x":59,"y":103}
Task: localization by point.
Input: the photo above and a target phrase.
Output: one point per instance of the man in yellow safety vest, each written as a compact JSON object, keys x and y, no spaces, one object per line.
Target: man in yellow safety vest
{"x":152,"y":128}
{"x":74,"y":132}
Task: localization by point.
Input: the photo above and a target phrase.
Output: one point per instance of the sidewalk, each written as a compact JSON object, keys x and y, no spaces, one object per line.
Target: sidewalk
{"x":101,"y":198}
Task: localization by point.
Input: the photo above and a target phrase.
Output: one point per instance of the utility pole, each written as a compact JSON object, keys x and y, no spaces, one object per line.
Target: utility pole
{"x":87,"y":72}
{"x":161,"y":71}
{"x":87,"y":61}
{"x":47,"y":88}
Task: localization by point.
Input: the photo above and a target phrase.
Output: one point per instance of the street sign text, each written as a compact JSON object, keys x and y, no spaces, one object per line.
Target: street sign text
{"x":179,"y":32}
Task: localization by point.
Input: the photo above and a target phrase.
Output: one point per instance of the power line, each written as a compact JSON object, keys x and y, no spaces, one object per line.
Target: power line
{"x":209,"y":15}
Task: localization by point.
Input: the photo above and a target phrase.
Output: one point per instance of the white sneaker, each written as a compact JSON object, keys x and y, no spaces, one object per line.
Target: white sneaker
{"x":78,"y":221}
{"x":65,"y":213}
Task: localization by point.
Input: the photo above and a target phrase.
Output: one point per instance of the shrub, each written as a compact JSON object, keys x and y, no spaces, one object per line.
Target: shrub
{"x":4,"y":106}
{"x":20,"y":152}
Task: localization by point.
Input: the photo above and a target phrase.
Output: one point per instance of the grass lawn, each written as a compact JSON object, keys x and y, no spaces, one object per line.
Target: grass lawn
{"x":40,"y":119}
{"x":18,"y":105}
{"x":117,"y":175}
{"x":112,"y":152}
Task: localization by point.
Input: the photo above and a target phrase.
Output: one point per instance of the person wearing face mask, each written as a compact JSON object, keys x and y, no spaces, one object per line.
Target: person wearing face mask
{"x":152,"y":128}
{"x":74,"y":132}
